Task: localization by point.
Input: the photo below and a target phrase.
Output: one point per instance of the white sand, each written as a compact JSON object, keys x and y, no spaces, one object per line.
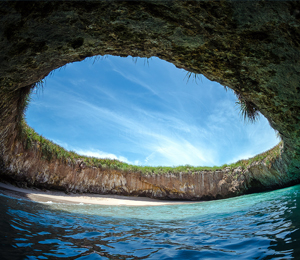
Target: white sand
{"x":57,"y":196}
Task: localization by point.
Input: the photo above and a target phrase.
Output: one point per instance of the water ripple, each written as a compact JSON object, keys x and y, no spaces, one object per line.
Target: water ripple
{"x":257,"y":226}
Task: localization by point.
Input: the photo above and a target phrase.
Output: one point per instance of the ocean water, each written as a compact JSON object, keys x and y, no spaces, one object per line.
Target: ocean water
{"x":256,"y":226}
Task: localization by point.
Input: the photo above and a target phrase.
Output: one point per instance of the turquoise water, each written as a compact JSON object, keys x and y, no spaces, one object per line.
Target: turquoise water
{"x":257,"y":226}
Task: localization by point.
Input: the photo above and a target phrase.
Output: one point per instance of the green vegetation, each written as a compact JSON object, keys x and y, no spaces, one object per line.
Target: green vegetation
{"x":51,"y":151}
{"x":268,"y":157}
{"x":194,"y":76}
{"x":247,"y":109}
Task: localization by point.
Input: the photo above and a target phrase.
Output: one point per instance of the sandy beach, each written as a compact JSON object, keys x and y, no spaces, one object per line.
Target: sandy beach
{"x":60,"y":197}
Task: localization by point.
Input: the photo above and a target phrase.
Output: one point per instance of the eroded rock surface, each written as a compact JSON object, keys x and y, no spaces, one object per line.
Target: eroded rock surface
{"x":251,"y":47}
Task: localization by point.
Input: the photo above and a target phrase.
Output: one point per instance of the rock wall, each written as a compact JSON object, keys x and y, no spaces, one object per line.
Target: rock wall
{"x":28,"y":168}
{"x":249,"y":46}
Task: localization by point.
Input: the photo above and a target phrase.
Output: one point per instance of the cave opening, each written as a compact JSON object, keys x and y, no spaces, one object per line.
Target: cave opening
{"x":144,"y":112}
{"x":249,"y":47}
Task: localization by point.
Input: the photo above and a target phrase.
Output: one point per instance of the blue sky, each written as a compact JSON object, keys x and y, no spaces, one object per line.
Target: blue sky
{"x":144,"y":112}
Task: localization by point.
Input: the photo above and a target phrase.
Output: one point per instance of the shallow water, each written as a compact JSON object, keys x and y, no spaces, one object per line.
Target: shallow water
{"x":257,"y":226}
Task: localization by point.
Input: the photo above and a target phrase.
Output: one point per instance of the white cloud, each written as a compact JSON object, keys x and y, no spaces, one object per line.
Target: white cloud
{"x":62,"y":144}
{"x":100,"y":154}
{"x":181,"y":152}
{"x":243,"y":156}
{"x":136,"y":81}
{"x":186,"y":130}
{"x":157,"y":136}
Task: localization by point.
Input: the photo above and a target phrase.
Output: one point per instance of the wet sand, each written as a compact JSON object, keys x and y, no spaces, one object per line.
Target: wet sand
{"x":86,"y":198}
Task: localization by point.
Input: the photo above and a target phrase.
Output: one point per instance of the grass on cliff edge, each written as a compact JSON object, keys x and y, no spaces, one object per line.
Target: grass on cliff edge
{"x":50,"y":151}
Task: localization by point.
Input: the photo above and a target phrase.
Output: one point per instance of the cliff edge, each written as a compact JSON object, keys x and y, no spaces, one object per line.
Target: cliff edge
{"x":250,"y":47}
